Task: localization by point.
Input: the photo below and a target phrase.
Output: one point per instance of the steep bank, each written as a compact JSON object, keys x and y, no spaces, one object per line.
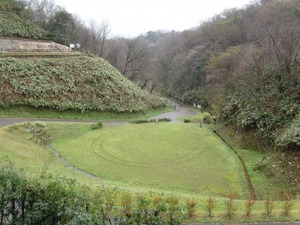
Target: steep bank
{"x":80,"y":83}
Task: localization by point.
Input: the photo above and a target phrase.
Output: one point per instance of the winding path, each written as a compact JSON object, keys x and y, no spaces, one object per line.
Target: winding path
{"x":180,"y":111}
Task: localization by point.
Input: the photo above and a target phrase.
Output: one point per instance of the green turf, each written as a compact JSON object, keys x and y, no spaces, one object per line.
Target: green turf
{"x":264,"y":186}
{"x":16,"y":146}
{"x":166,"y":156}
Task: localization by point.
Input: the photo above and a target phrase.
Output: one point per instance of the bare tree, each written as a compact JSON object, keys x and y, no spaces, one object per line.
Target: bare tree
{"x":98,"y":34}
{"x":135,"y":55}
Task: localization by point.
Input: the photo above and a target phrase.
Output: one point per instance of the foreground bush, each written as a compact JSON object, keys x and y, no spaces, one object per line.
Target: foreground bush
{"x":64,"y":201}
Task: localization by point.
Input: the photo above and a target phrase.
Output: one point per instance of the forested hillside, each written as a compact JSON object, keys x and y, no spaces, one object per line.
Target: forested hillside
{"x":243,"y":63}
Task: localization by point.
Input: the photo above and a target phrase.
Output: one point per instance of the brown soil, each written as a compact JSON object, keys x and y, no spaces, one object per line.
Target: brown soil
{"x":28,"y":45}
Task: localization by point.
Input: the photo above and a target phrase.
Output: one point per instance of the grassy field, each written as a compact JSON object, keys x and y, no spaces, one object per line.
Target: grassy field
{"x":164,"y":156}
{"x":264,"y":186}
{"x":17,"y":147}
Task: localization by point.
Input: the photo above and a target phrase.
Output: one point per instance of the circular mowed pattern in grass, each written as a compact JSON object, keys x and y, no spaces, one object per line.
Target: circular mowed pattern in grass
{"x":145,"y":149}
{"x":179,"y":157}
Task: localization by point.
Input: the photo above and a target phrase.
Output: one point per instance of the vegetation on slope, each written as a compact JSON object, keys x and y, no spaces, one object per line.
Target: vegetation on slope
{"x":83,"y":83}
{"x":35,"y":19}
{"x":13,"y":25}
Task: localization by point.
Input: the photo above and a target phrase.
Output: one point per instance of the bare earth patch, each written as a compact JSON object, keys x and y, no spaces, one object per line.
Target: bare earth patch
{"x":28,"y":45}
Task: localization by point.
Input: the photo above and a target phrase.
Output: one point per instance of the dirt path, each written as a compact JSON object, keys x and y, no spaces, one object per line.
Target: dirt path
{"x":180,"y":111}
{"x":69,"y":165}
{"x":10,"y":121}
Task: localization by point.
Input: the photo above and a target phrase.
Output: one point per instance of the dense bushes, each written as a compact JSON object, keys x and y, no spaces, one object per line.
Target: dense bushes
{"x":58,"y":200}
{"x":12,"y":25}
{"x":96,"y":126}
{"x":63,"y":201}
{"x":151,"y":120}
{"x":289,"y":138}
{"x":26,"y":202}
{"x":143,"y":121}
{"x":85,"y":84}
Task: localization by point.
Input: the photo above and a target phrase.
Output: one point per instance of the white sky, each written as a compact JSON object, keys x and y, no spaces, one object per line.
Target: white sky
{"x":129,"y":18}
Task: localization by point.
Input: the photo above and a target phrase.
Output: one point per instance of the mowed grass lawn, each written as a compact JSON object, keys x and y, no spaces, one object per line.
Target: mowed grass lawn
{"x":166,"y":156}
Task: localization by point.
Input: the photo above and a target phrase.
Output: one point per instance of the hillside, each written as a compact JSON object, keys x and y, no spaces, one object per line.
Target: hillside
{"x":13,"y":25}
{"x":78,"y":83}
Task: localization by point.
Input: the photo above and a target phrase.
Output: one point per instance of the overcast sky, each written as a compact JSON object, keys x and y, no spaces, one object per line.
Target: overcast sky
{"x":129,"y":18}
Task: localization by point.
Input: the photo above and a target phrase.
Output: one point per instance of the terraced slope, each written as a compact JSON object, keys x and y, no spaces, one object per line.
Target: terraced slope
{"x":79,"y":83}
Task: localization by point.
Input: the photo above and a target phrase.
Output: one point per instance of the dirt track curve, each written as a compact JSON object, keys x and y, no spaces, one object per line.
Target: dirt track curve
{"x":179,"y":111}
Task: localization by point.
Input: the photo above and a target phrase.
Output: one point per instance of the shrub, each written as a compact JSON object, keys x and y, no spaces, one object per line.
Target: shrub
{"x":151,"y":120}
{"x":96,"y":126}
{"x":187,"y":121}
{"x":248,"y":207}
{"x":142,"y":121}
{"x":126,"y":206}
{"x":159,"y":205}
{"x":39,"y":132}
{"x":191,"y":207}
{"x":269,"y":206}
{"x":210,"y":205}
{"x":164,"y":120}
{"x":230,"y":208}
{"x":63,"y":201}
{"x":290,"y":137}
{"x":142,"y":214}
{"x":287,"y":208}
{"x":174,"y":211}
{"x":56,"y":201}
{"x":207,"y":119}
